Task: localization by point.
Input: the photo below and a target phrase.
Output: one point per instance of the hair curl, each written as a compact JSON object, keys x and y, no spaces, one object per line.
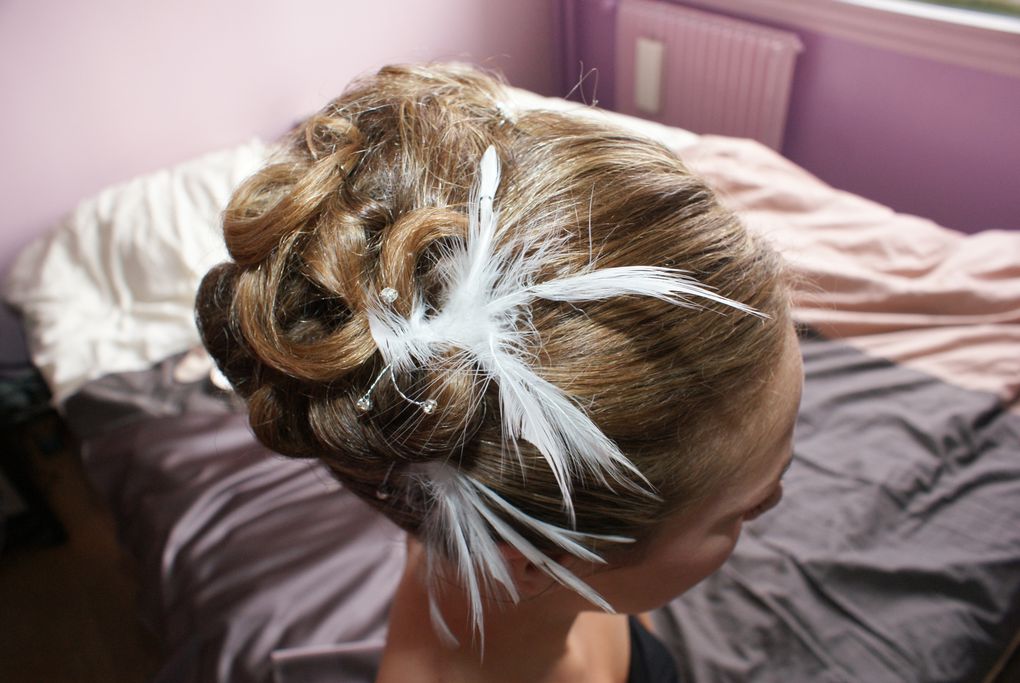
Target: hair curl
{"x":366,"y":194}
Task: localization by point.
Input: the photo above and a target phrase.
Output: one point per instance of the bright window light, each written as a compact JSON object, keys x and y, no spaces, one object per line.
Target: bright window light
{"x":1007,"y":7}
{"x":1001,"y":15}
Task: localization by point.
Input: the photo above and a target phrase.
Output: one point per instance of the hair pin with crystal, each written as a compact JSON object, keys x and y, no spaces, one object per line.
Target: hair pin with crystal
{"x":364,"y":404}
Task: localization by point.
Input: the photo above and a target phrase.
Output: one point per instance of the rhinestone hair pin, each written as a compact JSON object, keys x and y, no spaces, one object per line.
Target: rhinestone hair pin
{"x":365,"y":404}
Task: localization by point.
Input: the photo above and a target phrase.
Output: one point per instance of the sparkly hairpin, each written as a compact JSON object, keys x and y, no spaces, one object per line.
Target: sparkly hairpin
{"x":389,"y":295}
{"x":365,"y":403}
{"x":505,"y":115}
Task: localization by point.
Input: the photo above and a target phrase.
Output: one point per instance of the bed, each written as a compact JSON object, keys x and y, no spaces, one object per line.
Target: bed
{"x":894,"y":557}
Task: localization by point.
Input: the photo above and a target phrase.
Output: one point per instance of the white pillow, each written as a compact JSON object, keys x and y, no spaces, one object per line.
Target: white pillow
{"x":112,"y":288}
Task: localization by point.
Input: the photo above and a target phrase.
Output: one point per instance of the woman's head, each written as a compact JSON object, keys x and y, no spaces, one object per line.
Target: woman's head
{"x":374,"y":192}
{"x":691,"y":544}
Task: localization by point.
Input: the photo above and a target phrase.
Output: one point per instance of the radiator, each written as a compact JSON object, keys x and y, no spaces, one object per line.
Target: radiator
{"x":702,"y":71}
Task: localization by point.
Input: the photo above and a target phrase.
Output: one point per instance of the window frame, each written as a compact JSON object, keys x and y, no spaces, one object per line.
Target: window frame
{"x":966,"y":38}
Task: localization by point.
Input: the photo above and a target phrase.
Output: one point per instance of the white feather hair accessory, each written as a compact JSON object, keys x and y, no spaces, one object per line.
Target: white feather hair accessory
{"x":484,"y":319}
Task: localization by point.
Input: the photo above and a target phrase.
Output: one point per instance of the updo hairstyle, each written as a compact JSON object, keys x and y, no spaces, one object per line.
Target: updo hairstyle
{"x":369,"y":193}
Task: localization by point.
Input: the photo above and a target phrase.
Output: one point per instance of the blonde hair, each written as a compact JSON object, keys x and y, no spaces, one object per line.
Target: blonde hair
{"x":366,"y":193}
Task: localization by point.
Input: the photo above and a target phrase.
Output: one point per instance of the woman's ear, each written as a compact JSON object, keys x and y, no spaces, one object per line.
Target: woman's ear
{"x":528,"y":577}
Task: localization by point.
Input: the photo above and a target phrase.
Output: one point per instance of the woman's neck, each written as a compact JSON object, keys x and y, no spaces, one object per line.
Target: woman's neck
{"x":545,"y":639}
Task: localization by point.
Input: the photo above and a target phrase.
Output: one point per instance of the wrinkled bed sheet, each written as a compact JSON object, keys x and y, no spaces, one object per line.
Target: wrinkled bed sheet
{"x":894,"y":557}
{"x":244,"y":554}
{"x":894,"y":285}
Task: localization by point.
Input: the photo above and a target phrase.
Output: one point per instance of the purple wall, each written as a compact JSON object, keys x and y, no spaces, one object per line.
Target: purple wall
{"x":921,"y":136}
{"x":98,"y":92}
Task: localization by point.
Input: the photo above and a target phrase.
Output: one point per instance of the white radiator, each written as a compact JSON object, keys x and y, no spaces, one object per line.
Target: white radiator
{"x":702,"y":71}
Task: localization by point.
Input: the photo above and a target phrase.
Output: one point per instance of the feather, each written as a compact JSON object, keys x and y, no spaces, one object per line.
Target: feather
{"x":438,"y":622}
{"x":546,"y":563}
{"x":666,"y":284}
{"x":568,"y":539}
{"x":463,"y":523}
{"x":456,"y":525}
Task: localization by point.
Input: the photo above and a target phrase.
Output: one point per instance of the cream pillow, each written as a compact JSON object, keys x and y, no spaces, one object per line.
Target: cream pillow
{"x":112,"y":288}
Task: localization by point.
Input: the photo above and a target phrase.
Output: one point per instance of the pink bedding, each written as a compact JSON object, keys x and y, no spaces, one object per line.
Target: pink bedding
{"x":894,"y":285}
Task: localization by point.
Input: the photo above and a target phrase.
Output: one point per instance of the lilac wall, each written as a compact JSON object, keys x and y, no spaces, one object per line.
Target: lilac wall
{"x":923,"y":137}
{"x":97,"y":92}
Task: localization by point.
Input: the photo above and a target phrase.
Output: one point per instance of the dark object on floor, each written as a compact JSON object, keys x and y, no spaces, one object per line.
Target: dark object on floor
{"x":27,"y":423}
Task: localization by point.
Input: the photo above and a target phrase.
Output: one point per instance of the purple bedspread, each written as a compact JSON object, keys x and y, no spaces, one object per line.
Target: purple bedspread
{"x":250,"y":562}
{"x":895,"y":556}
